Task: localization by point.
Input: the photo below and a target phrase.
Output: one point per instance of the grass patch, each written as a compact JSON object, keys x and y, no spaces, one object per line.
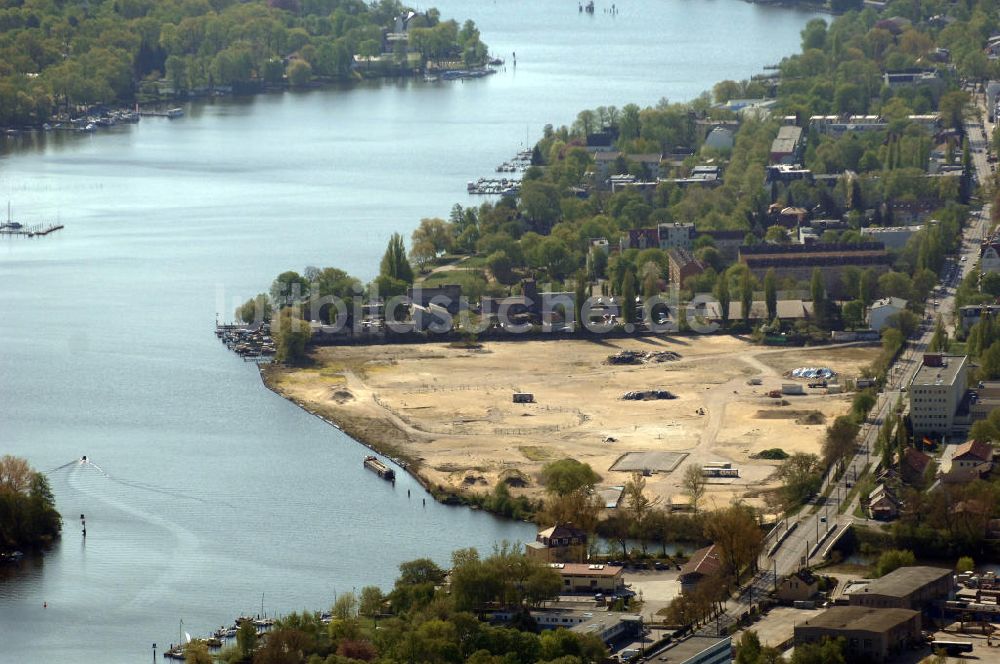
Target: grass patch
{"x":800,"y":416}
{"x":533,"y":452}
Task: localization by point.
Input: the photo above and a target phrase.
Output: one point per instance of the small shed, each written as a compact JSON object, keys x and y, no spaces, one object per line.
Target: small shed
{"x":524,"y":397}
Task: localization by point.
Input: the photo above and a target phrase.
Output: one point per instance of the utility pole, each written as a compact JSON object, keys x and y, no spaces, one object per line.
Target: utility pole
{"x":154,"y":653}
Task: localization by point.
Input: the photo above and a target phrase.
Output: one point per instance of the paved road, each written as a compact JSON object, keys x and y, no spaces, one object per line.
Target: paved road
{"x":799,"y":548}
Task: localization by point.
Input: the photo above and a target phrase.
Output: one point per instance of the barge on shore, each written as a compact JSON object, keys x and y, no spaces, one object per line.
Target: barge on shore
{"x":373,"y":464}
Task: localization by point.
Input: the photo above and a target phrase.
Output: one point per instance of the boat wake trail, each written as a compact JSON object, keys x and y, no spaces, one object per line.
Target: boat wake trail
{"x":144,"y":486}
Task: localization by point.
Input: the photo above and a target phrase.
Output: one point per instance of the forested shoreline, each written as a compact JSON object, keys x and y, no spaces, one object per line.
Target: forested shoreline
{"x":59,"y":58}
{"x":28,"y":517}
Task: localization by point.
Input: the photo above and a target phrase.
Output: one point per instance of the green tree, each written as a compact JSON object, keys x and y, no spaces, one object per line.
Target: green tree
{"x":965,"y":564}
{"x":840,"y":440}
{"x":432,"y":237}
{"x":771,"y":293}
{"x":746,"y":294}
{"x":291,"y":334}
{"x":371,"y":601}
{"x":289,"y":288}
{"x":894,"y":559}
{"x":565,"y":476}
{"x":246,"y":639}
{"x":394,"y":263}
{"x":801,"y":477}
{"x":628,"y":297}
{"x":939,"y":340}
{"x":693,"y":482}
{"x":818,"y":295}
{"x":722,"y":295}
{"x":255,"y":310}
{"x":827,"y":651}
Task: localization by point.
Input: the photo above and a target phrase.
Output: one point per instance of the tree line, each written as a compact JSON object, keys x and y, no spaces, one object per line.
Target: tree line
{"x":28,"y":516}
{"x":57,"y":56}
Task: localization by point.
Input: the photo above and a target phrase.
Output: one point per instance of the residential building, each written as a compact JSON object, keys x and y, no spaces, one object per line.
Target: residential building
{"x":971,"y":314}
{"x":800,"y":586}
{"x":585,"y":578}
{"x":786,"y":173}
{"x":601,"y":244}
{"x":913,"y":465}
{"x":696,"y":650}
{"x":611,"y":627}
{"x":882,"y":310}
{"x":905,"y":588}
{"x":608,"y":626}
{"x":871,"y":634}
{"x":785,"y":147}
{"x":448,"y":296}
{"x":883,"y":504}
{"x":675,"y":236}
{"x":703,"y":563}
{"x":836,"y":125}
{"x":914,"y":78}
{"x":989,"y":255}
{"x":799,"y":260}
{"x":936,"y":392}
{"x":720,"y":138}
{"x":640,"y":238}
{"x":971,"y":460}
{"x":609,"y":162}
{"x":683,"y":265}
{"x":562,"y":543}
{"x":727,"y":242}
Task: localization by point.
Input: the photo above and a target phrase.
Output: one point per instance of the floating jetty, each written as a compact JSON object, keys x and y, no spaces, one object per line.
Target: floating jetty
{"x":14,"y":228}
{"x":373,"y":464}
{"x":169,"y":113}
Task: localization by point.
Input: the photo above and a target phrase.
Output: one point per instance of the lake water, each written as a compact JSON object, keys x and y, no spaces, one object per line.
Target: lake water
{"x":206,"y":494}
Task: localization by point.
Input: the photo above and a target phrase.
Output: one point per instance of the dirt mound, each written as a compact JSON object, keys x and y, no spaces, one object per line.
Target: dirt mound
{"x":639,"y":357}
{"x":342,"y":396}
{"x":648,"y":395}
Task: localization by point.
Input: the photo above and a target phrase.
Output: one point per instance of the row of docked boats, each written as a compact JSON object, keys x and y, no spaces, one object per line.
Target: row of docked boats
{"x":251,"y":342}
{"x":495,"y":186}
{"x":219,"y":636}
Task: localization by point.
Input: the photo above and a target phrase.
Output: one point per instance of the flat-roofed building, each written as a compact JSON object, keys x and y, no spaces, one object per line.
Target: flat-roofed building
{"x":785,"y":146}
{"x":870,"y":634}
{"x":697,"y":650}
{"x":906,"y":588}
{"x":587,"y":578}
{"x":936,"y":392}
{"x":798,"y":261}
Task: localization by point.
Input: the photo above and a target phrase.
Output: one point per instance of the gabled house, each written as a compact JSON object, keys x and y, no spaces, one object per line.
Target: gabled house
{"x":882,"y":504}
{"x":971,"y":460}
{"x":703,"y":563}
{"x":913,"y":465}
{"x":562,"y":543}
{"x":800,"y":586}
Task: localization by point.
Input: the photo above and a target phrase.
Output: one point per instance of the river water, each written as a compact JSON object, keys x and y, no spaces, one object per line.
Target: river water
{"x":207,"y":496}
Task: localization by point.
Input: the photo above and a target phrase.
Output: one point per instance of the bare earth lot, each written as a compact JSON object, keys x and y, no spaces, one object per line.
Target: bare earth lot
{"x":450,"y":411}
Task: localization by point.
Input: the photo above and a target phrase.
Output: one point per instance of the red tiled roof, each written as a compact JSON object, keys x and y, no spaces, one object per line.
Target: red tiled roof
{"x":704,"y":561}
{"x":916,"y":460}
{"x":974,"y":449}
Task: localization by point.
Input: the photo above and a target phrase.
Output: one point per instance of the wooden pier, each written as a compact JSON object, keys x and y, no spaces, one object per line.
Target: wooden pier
{"x":29,"y":231}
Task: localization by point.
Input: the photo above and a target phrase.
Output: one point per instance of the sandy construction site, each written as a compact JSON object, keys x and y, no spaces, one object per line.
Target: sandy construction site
{"x":450,"y":411}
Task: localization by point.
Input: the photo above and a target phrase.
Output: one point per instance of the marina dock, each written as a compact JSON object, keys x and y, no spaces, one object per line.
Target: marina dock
{"x":38,"y":230}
